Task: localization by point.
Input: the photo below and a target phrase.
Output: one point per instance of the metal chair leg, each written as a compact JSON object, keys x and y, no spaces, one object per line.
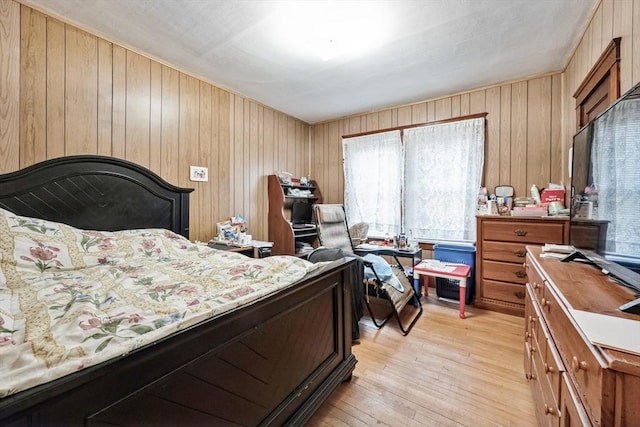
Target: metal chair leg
{"x":394,"y":312}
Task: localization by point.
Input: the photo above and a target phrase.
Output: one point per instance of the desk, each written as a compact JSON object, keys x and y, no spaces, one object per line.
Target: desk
{"x":458,"y":272}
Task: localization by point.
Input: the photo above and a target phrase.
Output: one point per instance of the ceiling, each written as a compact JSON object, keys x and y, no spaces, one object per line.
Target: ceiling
{"x":305,"y":65}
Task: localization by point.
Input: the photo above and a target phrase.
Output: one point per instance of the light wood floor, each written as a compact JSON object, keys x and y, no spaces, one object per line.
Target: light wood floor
{"x":446,"y":372}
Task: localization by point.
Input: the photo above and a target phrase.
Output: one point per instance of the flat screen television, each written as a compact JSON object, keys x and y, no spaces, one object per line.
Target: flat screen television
{"x":605,"y":190}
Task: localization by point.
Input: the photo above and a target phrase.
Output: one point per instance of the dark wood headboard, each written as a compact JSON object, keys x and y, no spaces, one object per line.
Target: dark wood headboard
{"x":96,"y":193}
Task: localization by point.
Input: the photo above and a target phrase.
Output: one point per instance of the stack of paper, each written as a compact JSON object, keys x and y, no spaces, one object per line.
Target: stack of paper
{"x":435,"y":265}
{"x":550,"y":250}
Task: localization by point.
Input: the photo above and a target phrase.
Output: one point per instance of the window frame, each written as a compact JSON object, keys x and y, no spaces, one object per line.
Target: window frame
{"x":401,"y":129}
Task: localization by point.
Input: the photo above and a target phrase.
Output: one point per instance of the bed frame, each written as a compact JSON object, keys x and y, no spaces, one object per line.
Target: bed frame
{"x":270,"y":363}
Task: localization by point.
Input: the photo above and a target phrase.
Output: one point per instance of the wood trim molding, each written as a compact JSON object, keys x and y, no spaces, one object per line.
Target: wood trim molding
{"x":437,"y":122}
{"x":601,"y":87}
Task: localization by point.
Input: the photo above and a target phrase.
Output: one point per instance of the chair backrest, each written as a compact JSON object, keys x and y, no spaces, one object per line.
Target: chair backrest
{"x":333,"y":231}
{"x":359,"y":233}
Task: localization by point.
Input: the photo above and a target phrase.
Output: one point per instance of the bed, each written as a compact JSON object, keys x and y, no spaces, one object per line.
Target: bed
{"x":270,"y":359}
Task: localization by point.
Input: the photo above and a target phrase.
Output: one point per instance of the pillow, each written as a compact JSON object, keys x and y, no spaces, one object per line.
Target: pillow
{"x":384,"y":271}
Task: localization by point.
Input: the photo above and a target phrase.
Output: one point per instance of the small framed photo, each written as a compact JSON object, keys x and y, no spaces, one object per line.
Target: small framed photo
{"x":198,"y":173}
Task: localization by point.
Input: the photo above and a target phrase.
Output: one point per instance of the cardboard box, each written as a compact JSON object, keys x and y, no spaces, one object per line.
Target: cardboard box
{"x":548,"y":196}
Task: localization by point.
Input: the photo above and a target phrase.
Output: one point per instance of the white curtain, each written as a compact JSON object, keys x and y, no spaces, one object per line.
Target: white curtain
{"x":616,"y":147}
{"x":443,"y":172}
{"x":373,"y":181}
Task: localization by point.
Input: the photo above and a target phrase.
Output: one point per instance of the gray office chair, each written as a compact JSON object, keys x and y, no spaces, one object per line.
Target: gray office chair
{"x":396,"y":288}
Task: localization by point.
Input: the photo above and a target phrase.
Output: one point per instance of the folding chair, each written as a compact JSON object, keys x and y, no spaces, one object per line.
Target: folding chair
{"x":394,"y":287}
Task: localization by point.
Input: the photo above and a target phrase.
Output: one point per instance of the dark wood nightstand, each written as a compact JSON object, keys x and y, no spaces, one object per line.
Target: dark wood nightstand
{"x":223,"y":246}
{"x":248,"y":250}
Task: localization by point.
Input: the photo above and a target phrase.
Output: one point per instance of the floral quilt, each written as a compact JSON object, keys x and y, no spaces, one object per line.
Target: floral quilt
{"x":73,"y":298}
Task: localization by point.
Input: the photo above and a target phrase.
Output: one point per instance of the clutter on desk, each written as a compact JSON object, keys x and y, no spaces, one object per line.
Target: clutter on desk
{"x":586,"y":203}
{"x":233,"y":231}
{"x":550,"y":250}
{"x":552,"y":198}
{"x":548,"y":201}
{"x":299,"y":192}
{"x":284,"y":177}
{"x":482,"y":203}
{"x":523,"y":201}
{"x":303,"y":247}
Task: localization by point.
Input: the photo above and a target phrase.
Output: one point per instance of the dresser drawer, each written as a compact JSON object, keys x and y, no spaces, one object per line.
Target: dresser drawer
{"x":503,"y":251}
{"x":523,"y":232}
{"x":504,"y":271}
{"x":571,"y":411}
{"x":509,"y":292}
{"x":550,"y":397}
{"x":547,"y":410}
{"x":551,"y":364}
{"x":534,"y":279}
{"x":576,"y":354}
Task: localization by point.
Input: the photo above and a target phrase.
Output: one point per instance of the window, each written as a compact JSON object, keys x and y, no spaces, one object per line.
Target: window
{"x":443,"y":164}
{"x":430,"y":194}
{"x":373,"y":177}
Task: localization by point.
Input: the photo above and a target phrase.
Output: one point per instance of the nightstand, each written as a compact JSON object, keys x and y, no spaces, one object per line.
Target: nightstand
{"x":254,"y":250}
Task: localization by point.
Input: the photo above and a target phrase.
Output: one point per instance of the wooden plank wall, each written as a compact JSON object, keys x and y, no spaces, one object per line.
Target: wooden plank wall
{"x":611,"y":19}
{"x":524,"y":131}
{"x":530,"y":123}
{"x":64,"y":91}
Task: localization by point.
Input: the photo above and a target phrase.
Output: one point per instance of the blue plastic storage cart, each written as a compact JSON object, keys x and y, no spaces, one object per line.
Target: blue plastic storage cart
{"x":460,"y":254}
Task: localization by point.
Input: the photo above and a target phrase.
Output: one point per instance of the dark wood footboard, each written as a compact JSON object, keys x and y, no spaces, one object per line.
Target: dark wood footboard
{"x":271,"y":363}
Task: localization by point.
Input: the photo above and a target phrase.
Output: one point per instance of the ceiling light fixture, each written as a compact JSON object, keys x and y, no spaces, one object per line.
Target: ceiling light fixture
{"x":332,"y":29}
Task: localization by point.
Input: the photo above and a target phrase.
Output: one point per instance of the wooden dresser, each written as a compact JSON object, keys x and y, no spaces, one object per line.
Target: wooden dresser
{"x":575,"y":383}
{"x":500,"y":256}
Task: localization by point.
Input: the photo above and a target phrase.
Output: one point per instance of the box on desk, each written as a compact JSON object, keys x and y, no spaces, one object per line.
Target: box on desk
{"x":551,"y":195}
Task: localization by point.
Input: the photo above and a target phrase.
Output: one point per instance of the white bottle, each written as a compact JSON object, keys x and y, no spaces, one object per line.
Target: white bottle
{"x":535,"y":195}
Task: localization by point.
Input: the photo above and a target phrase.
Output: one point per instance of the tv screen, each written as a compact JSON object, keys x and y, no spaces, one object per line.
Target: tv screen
{"x":605,"y":188}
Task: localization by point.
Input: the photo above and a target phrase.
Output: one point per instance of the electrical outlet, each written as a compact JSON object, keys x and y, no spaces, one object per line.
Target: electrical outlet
{"x":198,"y":173}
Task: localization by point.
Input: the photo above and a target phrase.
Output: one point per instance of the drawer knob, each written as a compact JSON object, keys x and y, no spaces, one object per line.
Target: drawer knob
{"x":519,"y":294}
{"x":520,"y":232}
{"x":545,"y":302}
{"x":536,"y":285}
{"x":519,"y":253}
{"x":549,"y":410}
{"x":520,"y":274}
{"x":578,"y":364}
{"x":548,"y":369}
{"x":532,"y":319}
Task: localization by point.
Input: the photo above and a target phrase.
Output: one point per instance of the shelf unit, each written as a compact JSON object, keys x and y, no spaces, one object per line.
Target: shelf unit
{"x":283,"y":235}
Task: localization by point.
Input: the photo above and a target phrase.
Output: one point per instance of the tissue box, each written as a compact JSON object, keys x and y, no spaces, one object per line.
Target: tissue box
{"x":548,"y":196}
